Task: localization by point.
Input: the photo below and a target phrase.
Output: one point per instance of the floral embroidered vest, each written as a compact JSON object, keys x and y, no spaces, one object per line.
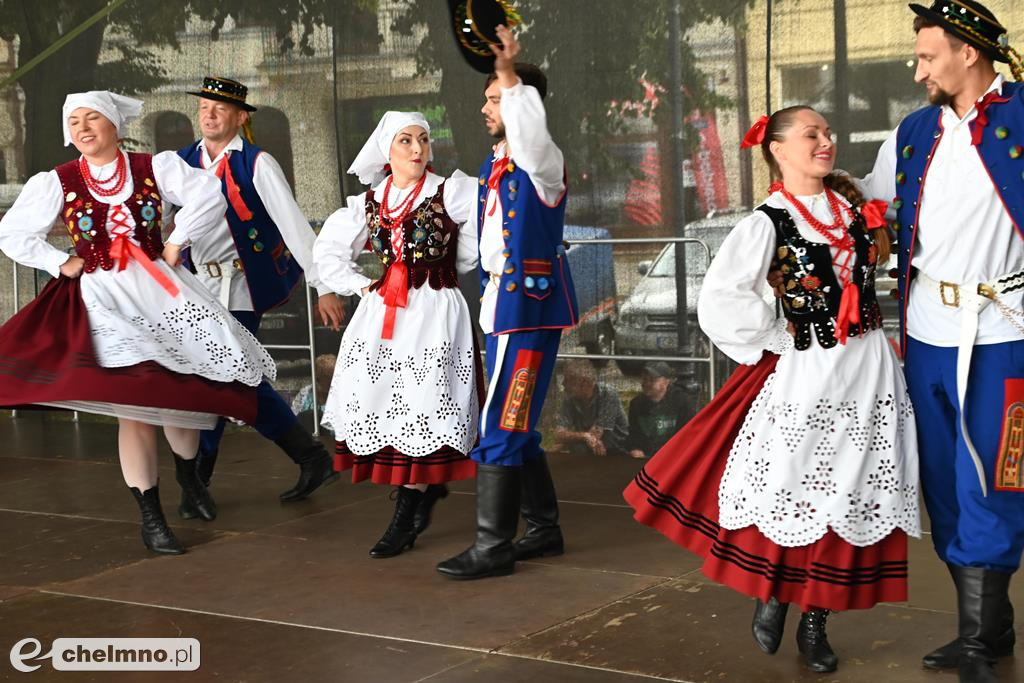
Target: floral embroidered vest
{"x":812,"y":290}
{"x":85,"y":217}
{"x":431,"y":239}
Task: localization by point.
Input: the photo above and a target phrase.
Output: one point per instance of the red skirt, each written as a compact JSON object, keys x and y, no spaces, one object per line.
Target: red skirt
{"x":676,"y":493}
{"x":46,"y":356}
{"x":388,"y":466}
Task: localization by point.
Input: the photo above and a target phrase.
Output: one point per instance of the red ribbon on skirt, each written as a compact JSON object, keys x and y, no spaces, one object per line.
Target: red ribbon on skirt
{"x":395,"y":291}
{"x":124,"y":249}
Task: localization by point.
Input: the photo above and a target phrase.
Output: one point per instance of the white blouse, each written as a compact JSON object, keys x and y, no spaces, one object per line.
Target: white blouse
{"x":344,"y":234}
{"x":26,"y":224}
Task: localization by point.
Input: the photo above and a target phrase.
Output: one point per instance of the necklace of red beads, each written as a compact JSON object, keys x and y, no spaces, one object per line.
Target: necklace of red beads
{"x":96,"y":185}
{"x":394,"y":217}
{"x":843,"y":242}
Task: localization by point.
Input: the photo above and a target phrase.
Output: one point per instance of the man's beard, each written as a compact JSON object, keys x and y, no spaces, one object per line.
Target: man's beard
{"x":939,"y":97}
{"x":499,"y":133}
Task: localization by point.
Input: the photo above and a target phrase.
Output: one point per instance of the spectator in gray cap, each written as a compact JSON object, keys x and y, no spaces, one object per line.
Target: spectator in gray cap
{"x":591,"y":419}
{"x":658,"y":412}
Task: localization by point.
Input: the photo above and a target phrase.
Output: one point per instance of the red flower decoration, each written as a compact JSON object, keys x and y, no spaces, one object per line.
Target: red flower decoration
{"x":810,"y":282}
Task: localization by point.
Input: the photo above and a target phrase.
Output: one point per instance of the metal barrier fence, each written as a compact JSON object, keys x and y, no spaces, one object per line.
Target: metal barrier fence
{"x":712,"y":354}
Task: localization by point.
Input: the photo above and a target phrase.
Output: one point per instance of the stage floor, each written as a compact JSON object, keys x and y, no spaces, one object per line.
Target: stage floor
{"x":288,"y":593}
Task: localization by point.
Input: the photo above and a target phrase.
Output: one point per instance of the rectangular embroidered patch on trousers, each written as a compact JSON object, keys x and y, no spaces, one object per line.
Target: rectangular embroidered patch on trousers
{"x":1009,"y":473}
{"x":515,"y":415}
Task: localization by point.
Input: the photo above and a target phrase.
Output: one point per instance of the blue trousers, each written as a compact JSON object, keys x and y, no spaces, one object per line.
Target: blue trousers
{"x":968,"y":528}
{"x":274,"y":416}
{"x":519,"y":369}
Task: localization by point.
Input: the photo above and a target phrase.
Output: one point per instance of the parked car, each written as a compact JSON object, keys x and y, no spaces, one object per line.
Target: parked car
{"x":647,"y":323}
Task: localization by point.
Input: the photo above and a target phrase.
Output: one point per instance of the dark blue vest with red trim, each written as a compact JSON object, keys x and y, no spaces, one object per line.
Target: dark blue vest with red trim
{"x":535,"y":291}
{"x":271,"y":272}
{"x":1002,"y":153}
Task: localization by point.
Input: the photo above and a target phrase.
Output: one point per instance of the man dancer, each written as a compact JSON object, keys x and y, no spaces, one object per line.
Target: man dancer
{"x":252,"y":263}
{"x":528,"y":298}
{"x":955,"y":169}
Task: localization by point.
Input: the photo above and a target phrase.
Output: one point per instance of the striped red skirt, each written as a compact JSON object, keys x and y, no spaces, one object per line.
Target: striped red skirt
{"x":677,"y":493}
{"x":389,"y":466}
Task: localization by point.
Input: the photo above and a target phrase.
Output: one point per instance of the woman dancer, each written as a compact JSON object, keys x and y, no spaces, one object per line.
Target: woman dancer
{"x":142,"y":341}
{"x":404,"y":401}
{"x":798,"y":482}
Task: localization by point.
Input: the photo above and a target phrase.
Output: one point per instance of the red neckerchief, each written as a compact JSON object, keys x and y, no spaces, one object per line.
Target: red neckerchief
{"x":979,"y":123}
{"x":234,"y":193}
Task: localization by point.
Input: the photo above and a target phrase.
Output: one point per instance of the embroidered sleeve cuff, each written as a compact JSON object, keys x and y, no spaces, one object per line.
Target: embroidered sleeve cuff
{"x":781,"y":341}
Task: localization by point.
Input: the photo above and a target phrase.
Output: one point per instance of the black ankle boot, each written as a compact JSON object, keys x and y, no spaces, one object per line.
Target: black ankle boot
{"x":155,"y":533}
{"x":204,"y":470}
{"x":497,"y":515}
{"x":982,"y":596}
{"x":948,"y":656}
{"x":812,"y":641}
{"x":769,"y":624}
{"x":434,"y":493}
{"x":539,"y":507}
{"x":400,"y":534}
{"x":193,"y":491}
{"x":316,"y":467}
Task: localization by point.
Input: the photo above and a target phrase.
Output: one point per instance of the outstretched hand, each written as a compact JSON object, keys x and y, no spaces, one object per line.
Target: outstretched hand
{"x":505,"y":54}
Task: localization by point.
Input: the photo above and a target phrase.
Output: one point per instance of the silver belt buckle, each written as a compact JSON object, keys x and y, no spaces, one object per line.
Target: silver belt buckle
{"x":943,"y":286}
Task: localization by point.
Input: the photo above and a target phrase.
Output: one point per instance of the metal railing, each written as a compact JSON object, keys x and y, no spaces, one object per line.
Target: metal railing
{"x":709,"y":359}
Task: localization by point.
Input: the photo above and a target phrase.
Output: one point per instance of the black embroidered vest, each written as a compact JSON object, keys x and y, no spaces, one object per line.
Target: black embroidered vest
{"x":812,"y":290}
{"x":431,"y":240}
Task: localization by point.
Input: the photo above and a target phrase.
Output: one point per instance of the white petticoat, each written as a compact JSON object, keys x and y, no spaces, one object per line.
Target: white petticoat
{"x":416,"y":392}
{"x":829,"y":442}
{"x":133,"y":319}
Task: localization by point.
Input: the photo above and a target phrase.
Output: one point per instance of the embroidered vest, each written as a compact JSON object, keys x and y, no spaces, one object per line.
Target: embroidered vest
{"x":535,"y":290}
{"x":85,"y":217}
{"x":812,"y":289}
{"x":1001,"y":151}
{"x":431,"y":240}
{"x":270,"y":271}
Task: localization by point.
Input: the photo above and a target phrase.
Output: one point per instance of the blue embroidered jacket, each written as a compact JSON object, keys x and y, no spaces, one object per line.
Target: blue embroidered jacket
{"x":535,"y":291}
{"x":1002,"y":153}
{"x":270,"y":271}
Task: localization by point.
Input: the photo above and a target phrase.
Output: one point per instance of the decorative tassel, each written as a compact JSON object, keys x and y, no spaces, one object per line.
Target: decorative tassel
{"x":247,"y":132}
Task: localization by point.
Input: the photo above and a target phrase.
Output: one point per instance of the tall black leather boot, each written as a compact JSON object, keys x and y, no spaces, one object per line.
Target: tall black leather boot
{"x":539,"y":507}
{"x":193,"y":491}
{"x":497,"y":516}
{"x":155,"y":533}
{"x":400,"y":534}
{"x":812,"y":641}
{"x":769,"y":624}
{"x":981,"y":602}
{"x":948,"y":656}
{"x":316,"y":467}
{"x":425,"y":509}
{"x":204,"y":470}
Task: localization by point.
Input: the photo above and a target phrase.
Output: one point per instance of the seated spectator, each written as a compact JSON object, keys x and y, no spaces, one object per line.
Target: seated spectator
{"x":591,"y":419}
{"x":658,"y":412}
{"x":323,"y":370}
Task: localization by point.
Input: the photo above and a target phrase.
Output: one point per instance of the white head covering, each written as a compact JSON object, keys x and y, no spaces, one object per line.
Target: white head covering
{"x":376,"y":153}
{"x":120,"y":110}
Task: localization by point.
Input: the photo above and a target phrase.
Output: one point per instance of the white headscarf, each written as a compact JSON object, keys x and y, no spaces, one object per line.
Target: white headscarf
{"x":375,"y":154}
{"x":120,"y":110}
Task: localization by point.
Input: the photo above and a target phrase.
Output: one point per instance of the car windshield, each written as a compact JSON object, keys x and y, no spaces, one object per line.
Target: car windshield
{"x":665,"y":265}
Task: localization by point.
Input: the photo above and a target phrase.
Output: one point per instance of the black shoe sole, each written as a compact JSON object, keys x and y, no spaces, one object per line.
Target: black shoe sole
{"x":499,"y":571}
{"x":164,"y":551}
{"x":544,"y":552}
{"x":937,"y":666}
{"x":187,"y":513}
{"x":384,"y":556}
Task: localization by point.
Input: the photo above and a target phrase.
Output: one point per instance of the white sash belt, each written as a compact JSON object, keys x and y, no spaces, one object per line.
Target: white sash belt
{"x":972,"y":298}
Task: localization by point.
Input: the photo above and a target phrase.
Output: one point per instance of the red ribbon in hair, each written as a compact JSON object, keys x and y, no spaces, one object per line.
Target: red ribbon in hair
{"x":234,"y":194}
{"x":874,"y":213}
{"x":755,"y":136}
